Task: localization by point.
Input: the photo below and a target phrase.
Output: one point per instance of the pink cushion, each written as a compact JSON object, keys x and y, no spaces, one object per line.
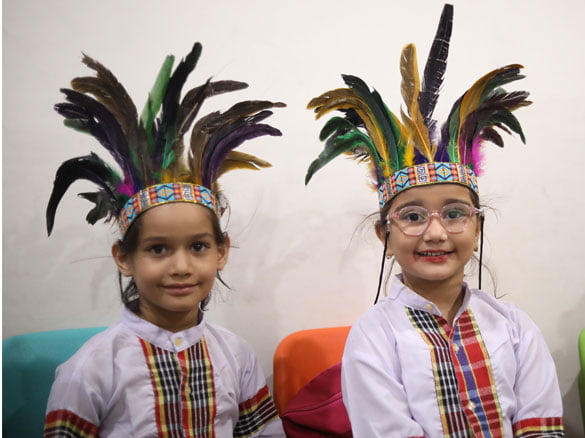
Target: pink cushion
{"x":317,"y":410}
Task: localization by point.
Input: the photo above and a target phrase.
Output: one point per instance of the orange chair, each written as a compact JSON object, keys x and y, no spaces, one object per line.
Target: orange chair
{"x":301,"y":356}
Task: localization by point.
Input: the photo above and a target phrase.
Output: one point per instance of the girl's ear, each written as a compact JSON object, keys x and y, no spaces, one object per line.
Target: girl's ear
{"x":382,"y":230}
{"x":223,"y":252}
{"x":122,"y":260}
{"x":478,"y":233}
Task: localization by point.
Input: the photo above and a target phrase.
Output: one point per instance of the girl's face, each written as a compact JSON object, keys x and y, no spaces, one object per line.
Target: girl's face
{"x":174,"y":264}
{"x":436,"y":256}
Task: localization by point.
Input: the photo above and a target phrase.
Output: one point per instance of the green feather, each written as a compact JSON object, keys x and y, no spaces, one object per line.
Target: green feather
{"x":340,"y":125}
{"x":337,"y":146}
{"x":380,"y":112}
{"x":155,"y":98}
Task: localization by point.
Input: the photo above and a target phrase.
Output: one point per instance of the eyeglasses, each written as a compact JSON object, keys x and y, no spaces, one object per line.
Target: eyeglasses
{"x":413,"y":220}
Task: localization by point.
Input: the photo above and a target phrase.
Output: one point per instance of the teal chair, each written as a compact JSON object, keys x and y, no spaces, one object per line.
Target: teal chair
{"x":28,"y":369}
{"x":582,"y":374}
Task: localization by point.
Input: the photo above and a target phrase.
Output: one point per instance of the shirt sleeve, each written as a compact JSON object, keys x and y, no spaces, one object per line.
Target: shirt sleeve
{"x":539,"y":402}
{"x":258,"y":416}
{"x":74,"y":405}
{"x":372,"y":391}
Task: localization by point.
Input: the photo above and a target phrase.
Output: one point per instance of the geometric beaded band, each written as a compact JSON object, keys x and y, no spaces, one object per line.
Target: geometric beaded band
{"x":162,"y":194}
{"x":424,"y":174}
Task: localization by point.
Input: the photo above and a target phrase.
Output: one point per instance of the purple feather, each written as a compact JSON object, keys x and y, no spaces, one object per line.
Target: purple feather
{"x":100,"y":123}
{"x":223,"y":143}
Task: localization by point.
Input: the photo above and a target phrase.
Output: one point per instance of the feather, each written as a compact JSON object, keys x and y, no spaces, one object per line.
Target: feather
{"x":91,"y":168}
{"x":97,"y":120}
{"x":410,"y":88}
{"x":154,"y":101}
{"x":345,"y":99}
{"x":241,"y":160}
{"x":388,"y":149}
{"x":167,"y":130}
{"x":191,"y":103}
{"x":494,"y":111}
{"x":109,"y":92}
{"x":222,"y":142}
{"x":435,"y":67}
{"x":337,"y":146}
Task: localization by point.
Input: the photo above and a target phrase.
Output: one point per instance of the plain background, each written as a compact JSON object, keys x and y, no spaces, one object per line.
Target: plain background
{"x":302,"y":256}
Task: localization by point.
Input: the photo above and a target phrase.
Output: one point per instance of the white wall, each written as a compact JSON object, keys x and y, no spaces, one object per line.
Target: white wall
{"x":300,"y":262}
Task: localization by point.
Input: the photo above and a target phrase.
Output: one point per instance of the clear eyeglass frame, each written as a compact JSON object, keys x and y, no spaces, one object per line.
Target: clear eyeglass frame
{"x":414,"y":220}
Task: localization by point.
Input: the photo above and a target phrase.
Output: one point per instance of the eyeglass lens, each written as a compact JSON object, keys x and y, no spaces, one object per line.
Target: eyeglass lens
{"x":413,"y":220}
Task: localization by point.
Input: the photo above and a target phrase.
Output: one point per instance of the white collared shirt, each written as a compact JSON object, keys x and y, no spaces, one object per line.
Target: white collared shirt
{"x":138,"y":380}
{"x":394,"y":381}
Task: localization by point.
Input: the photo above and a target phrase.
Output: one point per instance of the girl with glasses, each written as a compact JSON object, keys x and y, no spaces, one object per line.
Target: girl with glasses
{"x":436,"y":357}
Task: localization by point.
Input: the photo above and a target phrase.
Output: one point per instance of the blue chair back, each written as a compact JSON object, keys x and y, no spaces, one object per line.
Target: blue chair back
{"x":28,"y":370}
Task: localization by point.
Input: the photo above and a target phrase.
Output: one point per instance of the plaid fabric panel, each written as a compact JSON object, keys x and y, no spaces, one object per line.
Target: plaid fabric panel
{"x":455,"y":424}
{"x":539,"y":427}
{"x":255,"y":413}
{"x":67,"y":424}
{"x":199,"y":406}
{"x":477,"y":389}
{"x":183,"y":390}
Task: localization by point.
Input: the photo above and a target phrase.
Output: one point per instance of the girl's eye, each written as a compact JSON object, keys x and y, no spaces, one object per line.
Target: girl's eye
{"x":199,"y":246}
{"x":455,"y":212}
{"x":156,"y":249}
{"x":412,"y":215}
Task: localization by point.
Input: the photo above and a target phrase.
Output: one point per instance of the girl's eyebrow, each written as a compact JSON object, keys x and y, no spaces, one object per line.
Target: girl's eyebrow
{"x":160,"y":238}
{"x":421,"y":204}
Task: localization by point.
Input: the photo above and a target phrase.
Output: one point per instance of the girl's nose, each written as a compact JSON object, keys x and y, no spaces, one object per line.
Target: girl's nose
{"x":435,"y":230}
{"x":181,"y":263}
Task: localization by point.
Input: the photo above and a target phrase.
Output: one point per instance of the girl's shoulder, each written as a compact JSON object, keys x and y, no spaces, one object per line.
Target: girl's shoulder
{"x":97,"y":350}
{"x":226,"y":338}
{"x":486,"y":304}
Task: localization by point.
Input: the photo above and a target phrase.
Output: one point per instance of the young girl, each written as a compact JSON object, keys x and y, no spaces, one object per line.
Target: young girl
{"x":436,"y":358}
{"x":162,"y":370}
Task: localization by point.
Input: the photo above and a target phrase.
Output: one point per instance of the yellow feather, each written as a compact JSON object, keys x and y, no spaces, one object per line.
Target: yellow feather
{"x":241,"y":160}
{"x":410,"y":88}
{"x":471,"y":98}
{"x":345,"y":98}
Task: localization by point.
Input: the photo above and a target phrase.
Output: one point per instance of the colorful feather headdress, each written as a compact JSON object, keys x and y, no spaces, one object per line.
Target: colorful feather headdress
{"x":411,"y":152}
{"x":150,"y":150}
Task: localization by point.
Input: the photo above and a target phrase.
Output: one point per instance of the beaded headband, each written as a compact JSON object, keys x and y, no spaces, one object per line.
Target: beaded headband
{"x":149,"y":149}
{"x":413,"y":152}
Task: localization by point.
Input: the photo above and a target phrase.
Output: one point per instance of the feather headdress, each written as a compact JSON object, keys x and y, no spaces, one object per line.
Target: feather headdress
{"x":150,"y":149}
{"x":411,"y":151}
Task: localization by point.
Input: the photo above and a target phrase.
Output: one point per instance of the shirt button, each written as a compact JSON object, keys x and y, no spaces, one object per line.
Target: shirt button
{"x":178,"y":342}
{"x":429,"y":306}
{"x":471,"y":405}
{"x":455,"y":348}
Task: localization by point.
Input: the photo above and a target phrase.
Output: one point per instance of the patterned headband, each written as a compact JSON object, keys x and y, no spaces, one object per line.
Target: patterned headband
{"x":150,"y":151}
{"x":413,"y":152}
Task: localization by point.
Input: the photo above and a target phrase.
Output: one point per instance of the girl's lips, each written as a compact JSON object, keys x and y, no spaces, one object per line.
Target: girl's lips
{"x":179,"y":288}
{"x":434,"y":256}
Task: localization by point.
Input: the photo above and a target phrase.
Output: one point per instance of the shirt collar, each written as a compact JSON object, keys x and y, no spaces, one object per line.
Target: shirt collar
{"x":160,"y":337}
{"x":402,"y":294}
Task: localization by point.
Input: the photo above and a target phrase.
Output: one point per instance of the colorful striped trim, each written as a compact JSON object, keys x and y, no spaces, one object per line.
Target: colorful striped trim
{"x":477,"y":389}
{"x":463,"y":347}
{"x":255,"y":413}
{"x":539,"y":427}
{"x":453,"y":418}
{"x":162,"y":194}
{"x":425,"y":174}
{"x":64,"y":423}
{"x":184,"y":390}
